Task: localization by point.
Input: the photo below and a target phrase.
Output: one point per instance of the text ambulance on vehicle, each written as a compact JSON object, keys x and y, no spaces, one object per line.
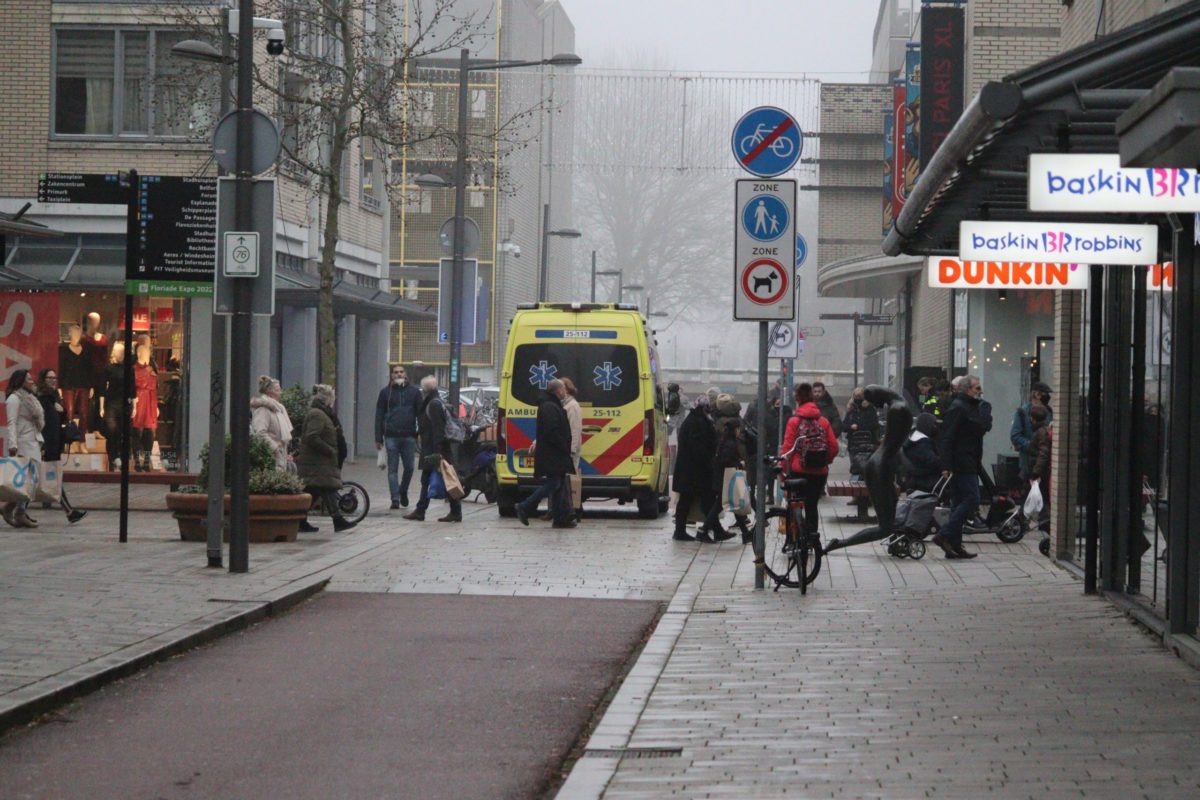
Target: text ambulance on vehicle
{"x":608,"y":353}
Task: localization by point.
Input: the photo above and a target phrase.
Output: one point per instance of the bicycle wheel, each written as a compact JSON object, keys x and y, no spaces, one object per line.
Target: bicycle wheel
{"x":353,"y":501}
{"x":808,"y":555}
{"x":789,"y":576}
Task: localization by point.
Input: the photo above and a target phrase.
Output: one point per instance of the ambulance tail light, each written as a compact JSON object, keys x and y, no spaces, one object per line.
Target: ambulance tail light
{"x":648,"y":434}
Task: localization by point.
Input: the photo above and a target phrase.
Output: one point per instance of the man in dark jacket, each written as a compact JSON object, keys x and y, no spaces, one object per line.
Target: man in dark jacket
{"x":1021,"y":432}
{"x":431,"y":414}
{"x":552,"y":460}
{"x":693,"y":466}
{"x":396,"y":429}
{"x":828,"y":407}
{"x":961,"y":449}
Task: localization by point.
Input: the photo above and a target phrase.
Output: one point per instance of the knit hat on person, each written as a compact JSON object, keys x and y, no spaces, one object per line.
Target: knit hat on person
{"x":728,"y":406}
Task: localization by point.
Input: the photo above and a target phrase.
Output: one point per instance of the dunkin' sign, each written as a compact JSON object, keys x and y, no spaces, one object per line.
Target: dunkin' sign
{"x":951,"y":273}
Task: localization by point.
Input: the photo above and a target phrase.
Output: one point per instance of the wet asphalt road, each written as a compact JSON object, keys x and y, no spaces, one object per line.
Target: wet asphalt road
{"x":351,"y":695}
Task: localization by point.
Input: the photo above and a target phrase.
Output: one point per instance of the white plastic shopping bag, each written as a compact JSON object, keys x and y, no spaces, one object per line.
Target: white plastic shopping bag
{"x":736,"y":496}
{"x":1033,"y":503}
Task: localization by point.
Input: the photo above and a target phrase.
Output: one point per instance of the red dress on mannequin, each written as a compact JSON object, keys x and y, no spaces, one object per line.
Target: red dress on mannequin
{"x":145,"y":382}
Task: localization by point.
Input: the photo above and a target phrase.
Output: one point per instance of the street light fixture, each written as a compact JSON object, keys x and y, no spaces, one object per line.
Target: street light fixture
{"x":544,"y":268}
{"x":595,"y":272}
{"x":196,"y":50}
{"x":460,"y":200}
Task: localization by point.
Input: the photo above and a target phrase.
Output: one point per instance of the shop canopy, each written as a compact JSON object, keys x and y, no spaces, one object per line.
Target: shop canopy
{"x":1067,"y":104}
{"x":299,"y":289}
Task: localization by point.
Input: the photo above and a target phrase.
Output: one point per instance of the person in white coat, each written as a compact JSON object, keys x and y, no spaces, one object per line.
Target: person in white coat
{"x":269,"y":418}
{"x":575,"y":418}
{"x":24,"y":439}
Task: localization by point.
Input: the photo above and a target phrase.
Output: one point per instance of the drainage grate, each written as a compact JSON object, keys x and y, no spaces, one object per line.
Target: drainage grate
{"x":635,"y":752}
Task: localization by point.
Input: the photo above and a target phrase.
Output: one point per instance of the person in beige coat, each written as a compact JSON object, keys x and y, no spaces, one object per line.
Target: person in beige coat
{"x":269,"y":419}
{"x":575,"y":418}
{"x":24,"y":438}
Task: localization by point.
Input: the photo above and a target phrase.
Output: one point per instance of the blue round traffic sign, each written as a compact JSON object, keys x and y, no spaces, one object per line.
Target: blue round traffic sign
{"x":801,"y":251}
{"x":767,"y":141}
{"x":765,"y":217}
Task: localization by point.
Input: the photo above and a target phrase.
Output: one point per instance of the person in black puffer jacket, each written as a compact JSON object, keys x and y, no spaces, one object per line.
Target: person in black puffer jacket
{"x":922,"y":465}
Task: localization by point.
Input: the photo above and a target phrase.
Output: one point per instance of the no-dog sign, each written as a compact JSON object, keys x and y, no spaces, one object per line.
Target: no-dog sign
{"x":765,"y":250}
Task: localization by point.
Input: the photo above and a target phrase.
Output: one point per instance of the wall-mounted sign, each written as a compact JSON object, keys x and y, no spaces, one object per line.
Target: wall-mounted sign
{"x":1059,"y":182}
{"x":950,"y":273}
{"x":943,"y":34}
{"x":1058,"y":242}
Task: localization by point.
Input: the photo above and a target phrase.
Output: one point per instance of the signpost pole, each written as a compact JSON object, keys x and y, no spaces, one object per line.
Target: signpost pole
{"x":133,"y":240}
{"x":854,"y":385}
{"x":239,"y":356}
{"x":593,"y":295}
{"x":760,"y":487}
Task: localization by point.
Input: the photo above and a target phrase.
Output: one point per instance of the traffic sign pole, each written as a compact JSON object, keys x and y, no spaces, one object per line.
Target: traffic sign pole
{"x":760,"y":472}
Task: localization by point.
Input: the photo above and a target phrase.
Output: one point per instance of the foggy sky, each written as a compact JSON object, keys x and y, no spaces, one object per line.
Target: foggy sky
{"x":829,"y":39}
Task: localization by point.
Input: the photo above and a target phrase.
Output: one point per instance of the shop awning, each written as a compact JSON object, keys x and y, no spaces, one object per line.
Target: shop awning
{"x":867,"y":276}
{"x":1067,"y":104}
{"x":300,"y":289}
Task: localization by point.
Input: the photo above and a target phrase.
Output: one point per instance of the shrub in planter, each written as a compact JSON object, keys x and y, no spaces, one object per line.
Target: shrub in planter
{"x":277,"y":499}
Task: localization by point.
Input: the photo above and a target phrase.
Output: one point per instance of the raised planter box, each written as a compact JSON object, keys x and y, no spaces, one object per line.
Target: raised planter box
{"x":273,"y":517}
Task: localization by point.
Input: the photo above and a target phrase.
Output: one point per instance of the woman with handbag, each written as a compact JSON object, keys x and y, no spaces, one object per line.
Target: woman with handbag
{"x":319,"y":461}
{"x":269,"y":419}
{"x":57,"y":434}
{"x":24,"y":437}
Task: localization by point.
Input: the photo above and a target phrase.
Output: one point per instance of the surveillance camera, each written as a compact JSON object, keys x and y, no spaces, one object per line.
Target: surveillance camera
{"x":275,"y":41}
{"x":516,"y":251}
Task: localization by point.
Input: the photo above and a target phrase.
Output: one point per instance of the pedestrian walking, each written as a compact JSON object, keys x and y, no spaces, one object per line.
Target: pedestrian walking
{"x":24,"y":439}
{"x":396,"y":430}
{"x":729,"y":452}
{"x":828,"y":407}
{"x":270,"y":420}
{"x":1021,"y":431}
{"x":54,"y":435}
{"x":575,"y":419}
{"x":768,"y":426}
{"x":812,"y":443}
{"x":693,"y":477}
{"x":919,"y":456}
{"x":431,"y":433}
{"x":319,"y":460}
{"x":960,"y":445}
{"x":1040,"y":451}
{"x":551,"y":457}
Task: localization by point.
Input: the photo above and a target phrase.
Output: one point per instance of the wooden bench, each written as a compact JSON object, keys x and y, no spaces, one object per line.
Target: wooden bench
{"x":854,"y":489}
{"x":172,"y":479}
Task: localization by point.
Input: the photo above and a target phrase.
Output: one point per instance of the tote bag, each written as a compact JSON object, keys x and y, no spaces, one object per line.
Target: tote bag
{"x":49,"y":488}
{"x":736,"y":494}
{"x":18,"y":477}
{"x":454,"y":487}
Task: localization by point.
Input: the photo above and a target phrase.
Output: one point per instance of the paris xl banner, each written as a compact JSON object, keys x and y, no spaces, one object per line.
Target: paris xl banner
{"x":941,"y":75}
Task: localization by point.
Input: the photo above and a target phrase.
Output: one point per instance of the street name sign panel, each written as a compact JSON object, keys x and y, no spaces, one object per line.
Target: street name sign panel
{"x":767,"y":141}
{"x":177,"y":221}
{"x":68,"y":187}
{"x":1058,"y":242}
{"x":764,"y":250}
{"x":950,"y":273}
{"x":1097,"y":183}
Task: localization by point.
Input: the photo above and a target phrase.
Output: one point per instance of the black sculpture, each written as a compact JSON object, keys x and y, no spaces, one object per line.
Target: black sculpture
{"x":880,"y":471}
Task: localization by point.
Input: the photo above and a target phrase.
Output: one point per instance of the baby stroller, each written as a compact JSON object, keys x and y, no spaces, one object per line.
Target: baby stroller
{"x":914,"y":521}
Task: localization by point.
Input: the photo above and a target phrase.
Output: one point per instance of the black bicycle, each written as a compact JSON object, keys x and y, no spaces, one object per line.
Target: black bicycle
{"x":802,"y":551}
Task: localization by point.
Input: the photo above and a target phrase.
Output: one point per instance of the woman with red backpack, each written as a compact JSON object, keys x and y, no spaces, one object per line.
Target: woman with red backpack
{"x":810,"y":440}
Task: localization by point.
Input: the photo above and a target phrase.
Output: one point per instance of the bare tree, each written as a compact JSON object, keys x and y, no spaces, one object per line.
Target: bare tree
{"x":348,"y":85}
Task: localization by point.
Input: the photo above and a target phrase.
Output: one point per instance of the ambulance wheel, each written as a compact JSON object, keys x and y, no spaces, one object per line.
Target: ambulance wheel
{"x":664,"y":504}
{"x":647,"y":504}
{"x":506,"y":502}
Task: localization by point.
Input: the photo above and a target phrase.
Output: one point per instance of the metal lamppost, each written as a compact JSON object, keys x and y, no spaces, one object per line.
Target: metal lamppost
{"x":544,"y":272}
{"x":595,"y":273}
{"x":460,"y":197}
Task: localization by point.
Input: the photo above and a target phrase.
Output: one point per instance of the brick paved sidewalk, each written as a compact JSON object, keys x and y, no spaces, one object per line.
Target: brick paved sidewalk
{"x":897,"y":679}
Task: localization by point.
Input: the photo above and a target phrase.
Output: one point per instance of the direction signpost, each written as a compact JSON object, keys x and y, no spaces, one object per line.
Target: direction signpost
{"x":766,"y":142}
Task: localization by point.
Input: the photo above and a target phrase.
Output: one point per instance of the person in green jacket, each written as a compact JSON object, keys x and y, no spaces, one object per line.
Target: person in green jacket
{"x":322,"y":451}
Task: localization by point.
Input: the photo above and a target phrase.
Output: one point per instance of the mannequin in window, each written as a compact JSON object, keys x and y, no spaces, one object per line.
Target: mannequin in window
{"x":113,"y":395}
{"x":145,"y":408}
{"x":75,"y":377}
{"x":96,"y":344}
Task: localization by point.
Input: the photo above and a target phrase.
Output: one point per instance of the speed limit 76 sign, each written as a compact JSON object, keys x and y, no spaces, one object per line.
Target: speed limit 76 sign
{"x":241,"y":254}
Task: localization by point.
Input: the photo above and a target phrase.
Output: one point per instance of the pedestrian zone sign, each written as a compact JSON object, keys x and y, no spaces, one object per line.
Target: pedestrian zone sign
{"x":765,"y":250}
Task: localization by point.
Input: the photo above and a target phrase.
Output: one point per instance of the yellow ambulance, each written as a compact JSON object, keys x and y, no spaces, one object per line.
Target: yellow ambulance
{"x":608,"y":352}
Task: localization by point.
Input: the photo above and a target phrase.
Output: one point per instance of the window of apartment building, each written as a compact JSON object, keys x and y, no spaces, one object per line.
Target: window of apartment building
{"x":418,"y":201}
{"x":479,"y":103}
{"x":369,"y":169}
{"x":125,"y":82}
{"x":476,"y":199}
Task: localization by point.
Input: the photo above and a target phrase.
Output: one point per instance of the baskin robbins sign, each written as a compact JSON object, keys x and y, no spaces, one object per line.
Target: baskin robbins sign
{"x":1058,"y":242}
{"x":950,"y":273}
{"x":1097,"y":183}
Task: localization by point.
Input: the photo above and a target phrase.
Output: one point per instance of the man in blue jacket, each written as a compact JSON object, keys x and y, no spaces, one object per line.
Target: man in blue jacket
{"x":396,"y":429}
